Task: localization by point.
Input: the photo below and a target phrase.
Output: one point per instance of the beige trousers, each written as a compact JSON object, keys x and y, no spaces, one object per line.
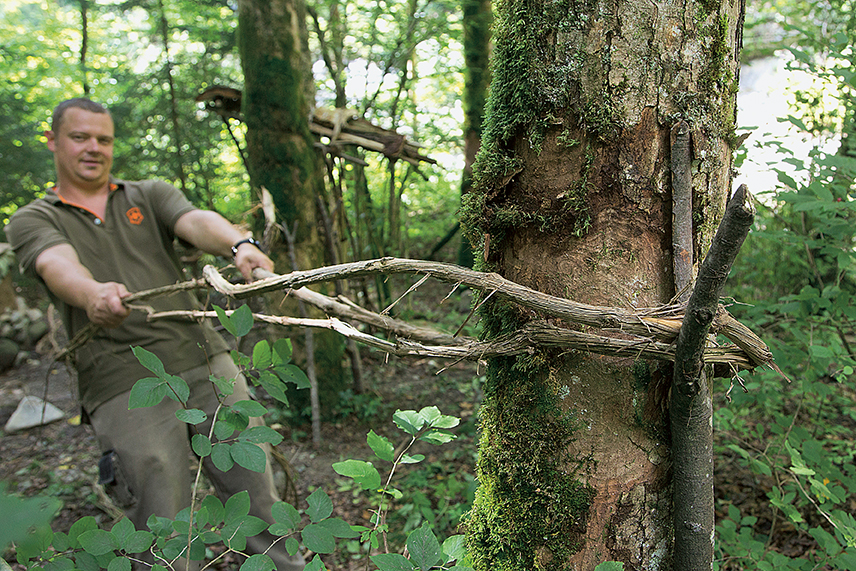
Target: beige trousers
{"x":153,"y":449}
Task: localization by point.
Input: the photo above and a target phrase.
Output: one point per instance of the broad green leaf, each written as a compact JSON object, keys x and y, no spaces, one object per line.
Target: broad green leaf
{"x":455,"y":548}
{"x":318,"y":538}
{"x":191,"y":415}
{"x":251,"y":525}
{"x":224,"y":385}
{"x":826,"y":540}
{"x":55,"y":564}
{"x":138,"y":542}
{"x":381,"y":446}
{"x":237,"y":507}
{"x":60,"y":542}
{"x":21,"y":515}
{"x":119,"y":564}
{"x":226,"y":321}
{"x":201,"y":445}
{"x":243,"y":320}
{"x":261,"y":434}
{"x":262,"y":355}
{"x":216,"y":511}
{"x":258,"y":562}
{"x":364,"y":473}
{"x":122,"y":530}
{"x":320,"y":506}
{"x":274,"y":386}
{"x":409,"y":421}
{"x":224,"y":429}
{"x":292,"y":546}
{"x":392,"y":562}
{"x":292,"y":374}
{"x":286,"y":514}
{"x":282,"y":351}
{"x":424,"y":548}
{"x":86,"y":561}
{"x":179,"y":391}
{"x":149,"y":360}
{"x":234,"y":417}
{"x":222,"y":457}
{"x":437,"y":437}
{"x":249,"y":456}
{"x":610,"y":566}
{"x":98,"y":542}
{"x":83,"y":524}
{"x":339,"y":528}
{"x":147,"y":392}
{"x":315,"y":565}
{"x":249,"y":408}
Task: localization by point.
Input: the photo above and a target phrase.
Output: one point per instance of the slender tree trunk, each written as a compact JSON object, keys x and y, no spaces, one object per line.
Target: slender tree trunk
{"x":276,"y":103}
{"x":477,"y":20}
{"x":572,"y":196}
{"x":84,"y":44}
{"x":173,"y":99}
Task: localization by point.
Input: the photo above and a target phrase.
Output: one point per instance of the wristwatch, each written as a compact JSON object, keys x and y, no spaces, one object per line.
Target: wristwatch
{"x":252,"y":241}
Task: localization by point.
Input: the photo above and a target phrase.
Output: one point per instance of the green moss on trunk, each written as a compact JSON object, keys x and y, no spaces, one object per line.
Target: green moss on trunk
{"x":530,"y":511}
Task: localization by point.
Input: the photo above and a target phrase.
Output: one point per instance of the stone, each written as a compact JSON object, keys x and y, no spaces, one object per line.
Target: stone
{"x":29,"y":414}
{"x":8,"y":351}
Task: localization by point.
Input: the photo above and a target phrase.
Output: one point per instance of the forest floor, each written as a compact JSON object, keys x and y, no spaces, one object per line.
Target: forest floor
{"x":60,"y":459}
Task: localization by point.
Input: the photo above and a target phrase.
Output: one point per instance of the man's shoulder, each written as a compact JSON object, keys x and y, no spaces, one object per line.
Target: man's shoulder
{"x":37,"y":206}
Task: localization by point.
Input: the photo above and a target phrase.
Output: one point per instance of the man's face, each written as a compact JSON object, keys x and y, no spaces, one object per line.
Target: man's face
{"x":83,"y":148}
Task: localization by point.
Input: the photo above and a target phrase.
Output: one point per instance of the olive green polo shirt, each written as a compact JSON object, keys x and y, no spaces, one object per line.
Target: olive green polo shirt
{"x":132,"y":245}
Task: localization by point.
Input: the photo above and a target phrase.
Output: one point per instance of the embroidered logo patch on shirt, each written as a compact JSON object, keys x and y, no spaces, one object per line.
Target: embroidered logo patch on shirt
{"x":135,"y":216}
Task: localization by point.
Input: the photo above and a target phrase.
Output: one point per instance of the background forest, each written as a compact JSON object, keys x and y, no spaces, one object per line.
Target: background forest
{"x":788,"y":448}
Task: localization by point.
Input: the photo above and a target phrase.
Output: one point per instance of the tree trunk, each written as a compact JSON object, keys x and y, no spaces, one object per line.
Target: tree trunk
{"x":173,"y":98}
{"x":477,"y":20}
{"x":84,"y":45}
{"x":572,"y":197}
{"x":275,"y":104}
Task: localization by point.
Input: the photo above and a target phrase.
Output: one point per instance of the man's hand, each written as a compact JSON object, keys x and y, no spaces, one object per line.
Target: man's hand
{"x":249,"y":258}
{"x":104,"y":305}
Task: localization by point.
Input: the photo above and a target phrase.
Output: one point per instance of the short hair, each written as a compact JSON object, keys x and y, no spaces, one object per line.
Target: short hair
{"x":78,"y":102}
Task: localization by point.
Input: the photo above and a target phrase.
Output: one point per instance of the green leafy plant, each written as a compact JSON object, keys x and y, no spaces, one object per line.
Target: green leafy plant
{"x":427,"y":425}
{"x":796,"y":438}
{"x":210,"y":522}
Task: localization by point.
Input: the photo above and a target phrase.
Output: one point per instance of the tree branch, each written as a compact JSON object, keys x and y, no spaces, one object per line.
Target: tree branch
{"x":691,"y":408}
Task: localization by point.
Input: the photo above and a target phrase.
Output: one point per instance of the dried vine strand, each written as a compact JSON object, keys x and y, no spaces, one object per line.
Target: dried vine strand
{"x":651,"y":330}
{"x":533,"y":334}
{"x":660,"y":323}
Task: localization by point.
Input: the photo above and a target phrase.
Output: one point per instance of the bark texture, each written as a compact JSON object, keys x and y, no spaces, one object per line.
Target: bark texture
{"x":573,"y":198}
{"x":691,"y":410}
{"x":276,"y":101}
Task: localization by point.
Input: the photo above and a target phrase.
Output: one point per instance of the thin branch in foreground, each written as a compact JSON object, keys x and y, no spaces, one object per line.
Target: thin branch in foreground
{"x":405,"y":294}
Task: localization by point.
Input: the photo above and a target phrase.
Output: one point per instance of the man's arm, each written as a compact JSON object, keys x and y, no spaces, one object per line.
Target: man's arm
{"x":72,"y":282}
{"x":209,"y":231}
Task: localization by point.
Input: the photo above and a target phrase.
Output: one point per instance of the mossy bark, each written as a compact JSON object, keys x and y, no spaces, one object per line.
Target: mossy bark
{"x":478,"y":17}
{"x":572,"y":197}
{"x":277,"y":97}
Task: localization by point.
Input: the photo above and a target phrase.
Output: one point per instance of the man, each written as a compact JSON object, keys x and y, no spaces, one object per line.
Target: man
{"x":94,"y":239}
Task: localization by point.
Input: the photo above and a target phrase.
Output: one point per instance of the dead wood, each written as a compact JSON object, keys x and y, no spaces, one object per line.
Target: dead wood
{"x":648,"y":333}
{"x":659,"y":323}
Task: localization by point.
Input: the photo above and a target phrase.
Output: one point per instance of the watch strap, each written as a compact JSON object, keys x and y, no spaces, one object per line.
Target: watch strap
{"x":252,"y":241}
